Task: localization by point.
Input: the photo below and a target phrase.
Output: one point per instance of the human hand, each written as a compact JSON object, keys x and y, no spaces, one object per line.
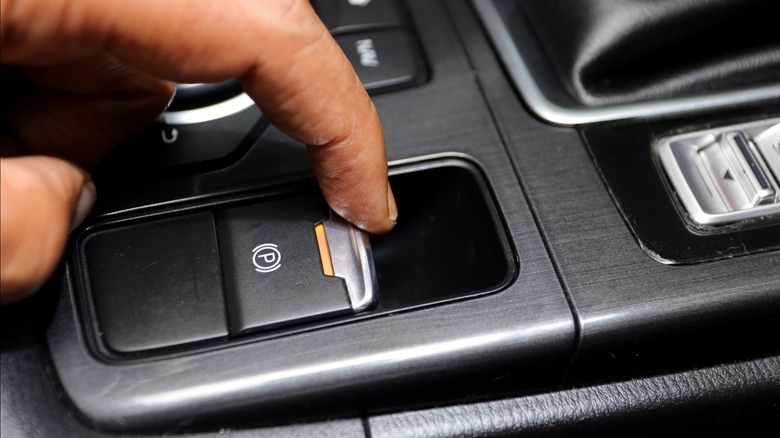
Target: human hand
{"x":94,"y":71}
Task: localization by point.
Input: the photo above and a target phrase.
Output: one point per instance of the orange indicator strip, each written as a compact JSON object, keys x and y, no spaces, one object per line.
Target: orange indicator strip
{"x":322,"y":242}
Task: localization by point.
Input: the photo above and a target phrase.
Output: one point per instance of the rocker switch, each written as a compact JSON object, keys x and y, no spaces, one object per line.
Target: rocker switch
{"x":725,"y":175}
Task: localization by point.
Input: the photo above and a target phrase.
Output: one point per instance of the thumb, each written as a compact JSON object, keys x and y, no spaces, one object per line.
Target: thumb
{"x":41,"y":200}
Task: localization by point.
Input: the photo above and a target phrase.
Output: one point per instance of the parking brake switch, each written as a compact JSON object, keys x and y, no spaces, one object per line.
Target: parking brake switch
{"x":290,"y":261}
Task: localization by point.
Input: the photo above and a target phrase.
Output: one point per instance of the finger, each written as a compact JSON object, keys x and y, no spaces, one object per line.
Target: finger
{"x":84,"y":108}
{"x":281,"y":51}
{"x":41,"y":200}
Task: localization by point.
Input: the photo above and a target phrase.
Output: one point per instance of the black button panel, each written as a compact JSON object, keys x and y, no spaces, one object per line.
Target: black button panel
{"x":273,"y":271}
{"x":342,"y":16}
{"x":157,"y":284}
{"x":163,"y":145}
{"x":222,"y":272}
{"x":378,"y":40}
{"x":384,"y":59}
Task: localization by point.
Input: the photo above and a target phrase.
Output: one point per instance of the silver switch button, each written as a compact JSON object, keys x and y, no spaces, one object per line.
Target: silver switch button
{"x":749,"y":171}
{"x":768,"y":143}
{"x":724,"y":175}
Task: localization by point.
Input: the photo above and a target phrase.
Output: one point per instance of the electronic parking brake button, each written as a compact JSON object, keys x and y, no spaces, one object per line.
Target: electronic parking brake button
{"x":286,"y":262}
{"x":166,"y":283}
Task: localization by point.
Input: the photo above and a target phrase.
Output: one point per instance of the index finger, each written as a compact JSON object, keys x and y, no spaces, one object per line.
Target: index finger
{"x":280,"y":51}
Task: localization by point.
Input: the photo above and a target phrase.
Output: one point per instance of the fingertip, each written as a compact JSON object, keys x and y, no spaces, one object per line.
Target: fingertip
{"x":383,"y":225}
{"x":42,"y":199}
{"x":354,"y":182}
{"x":374,"y":221}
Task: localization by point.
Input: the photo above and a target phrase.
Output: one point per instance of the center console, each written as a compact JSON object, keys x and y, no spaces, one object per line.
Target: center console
{"x":570,"y":249}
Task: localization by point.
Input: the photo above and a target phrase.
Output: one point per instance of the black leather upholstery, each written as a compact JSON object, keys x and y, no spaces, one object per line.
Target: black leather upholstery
{"x":618,"y":51}
{"x":735,"y":400}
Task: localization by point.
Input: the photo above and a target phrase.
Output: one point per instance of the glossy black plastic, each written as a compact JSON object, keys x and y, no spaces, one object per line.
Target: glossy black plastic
{"x":161,"y":147}
{"x":449,"y":241}
{"x":341,"y":16}
{"x":450,"y":244}
{"x":623,"y":154}
{"x":156,"y":284}
{"x":191,"y":96}
{"x":385,"y":59}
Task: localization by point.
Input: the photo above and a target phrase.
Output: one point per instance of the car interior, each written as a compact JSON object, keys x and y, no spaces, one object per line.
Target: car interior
{"x":587,"y":244}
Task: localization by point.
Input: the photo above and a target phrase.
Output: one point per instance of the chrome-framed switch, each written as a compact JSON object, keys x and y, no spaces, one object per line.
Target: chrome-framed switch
{"x":724,"y":175}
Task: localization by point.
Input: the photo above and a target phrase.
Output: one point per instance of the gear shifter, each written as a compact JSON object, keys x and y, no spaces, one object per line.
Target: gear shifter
{"x":619,"y":51}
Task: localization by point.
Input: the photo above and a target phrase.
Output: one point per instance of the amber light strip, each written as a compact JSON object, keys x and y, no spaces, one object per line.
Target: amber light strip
{"x":322,"y":242}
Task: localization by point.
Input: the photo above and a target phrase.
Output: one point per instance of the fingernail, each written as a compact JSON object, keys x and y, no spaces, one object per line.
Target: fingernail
{"x":84,"y":204}
{"x":391,"y":206}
